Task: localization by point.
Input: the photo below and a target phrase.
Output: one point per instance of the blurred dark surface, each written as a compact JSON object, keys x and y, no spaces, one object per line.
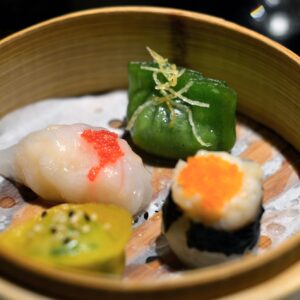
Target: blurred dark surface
{"x":278,"y":19}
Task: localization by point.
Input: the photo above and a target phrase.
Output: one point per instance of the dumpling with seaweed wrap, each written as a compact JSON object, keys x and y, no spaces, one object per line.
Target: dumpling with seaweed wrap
{"x":173,"y":112}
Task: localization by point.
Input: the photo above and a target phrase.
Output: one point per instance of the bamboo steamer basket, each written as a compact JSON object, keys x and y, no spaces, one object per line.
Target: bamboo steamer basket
{"x":87,"y":52}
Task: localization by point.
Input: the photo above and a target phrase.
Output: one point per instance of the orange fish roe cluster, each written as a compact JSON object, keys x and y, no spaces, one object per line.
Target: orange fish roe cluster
{"x":107,"y":147}
{"x":214,"y":180}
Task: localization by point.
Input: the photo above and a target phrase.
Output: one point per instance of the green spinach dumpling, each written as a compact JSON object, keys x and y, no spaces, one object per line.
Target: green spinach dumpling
{"x":173,"y":112}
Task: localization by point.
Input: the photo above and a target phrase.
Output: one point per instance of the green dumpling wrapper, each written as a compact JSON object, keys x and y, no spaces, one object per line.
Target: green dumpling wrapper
{"x":176,"y":126}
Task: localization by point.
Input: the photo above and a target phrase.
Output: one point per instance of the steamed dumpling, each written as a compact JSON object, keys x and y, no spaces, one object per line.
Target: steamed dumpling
{"x":78,"y":163}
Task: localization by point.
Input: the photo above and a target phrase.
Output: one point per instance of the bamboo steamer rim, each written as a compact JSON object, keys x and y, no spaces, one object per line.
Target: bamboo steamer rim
{"x":285,"y":251}
{"x":156,"y":10}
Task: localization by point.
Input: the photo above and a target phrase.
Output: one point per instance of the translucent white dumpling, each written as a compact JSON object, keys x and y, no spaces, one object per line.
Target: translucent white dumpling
{"x":76,"y":164}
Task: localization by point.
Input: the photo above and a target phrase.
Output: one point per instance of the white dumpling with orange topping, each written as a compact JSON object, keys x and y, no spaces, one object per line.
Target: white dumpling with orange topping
{"x":214,"y":209}
{"x":78,"y":163}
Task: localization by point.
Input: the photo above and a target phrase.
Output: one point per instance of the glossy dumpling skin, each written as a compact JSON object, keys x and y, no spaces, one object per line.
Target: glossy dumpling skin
{"x":55,"y":163}
{"x":74,"y":236}
{"x":174,"y":112}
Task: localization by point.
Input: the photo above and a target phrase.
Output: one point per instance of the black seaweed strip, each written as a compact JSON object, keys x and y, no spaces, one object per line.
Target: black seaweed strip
{"x":228,"y":242}
{"x":171,"y":212}
{"x":208,"y":239}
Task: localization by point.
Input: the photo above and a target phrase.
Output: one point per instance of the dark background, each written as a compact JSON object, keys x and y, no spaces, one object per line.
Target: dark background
{"x":278,"y":19}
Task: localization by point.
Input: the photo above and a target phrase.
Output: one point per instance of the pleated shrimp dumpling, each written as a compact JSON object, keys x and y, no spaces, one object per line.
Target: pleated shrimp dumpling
{"x":77,"y":164}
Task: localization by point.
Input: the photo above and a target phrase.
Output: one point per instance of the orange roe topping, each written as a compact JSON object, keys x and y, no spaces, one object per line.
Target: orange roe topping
{"x":106,"y":145}
{"x":215,"y":180}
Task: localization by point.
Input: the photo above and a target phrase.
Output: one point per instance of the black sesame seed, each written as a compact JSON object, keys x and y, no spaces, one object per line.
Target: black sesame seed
{"x":53,"y":230}
{"x":157,"y":211}
{"x":87,"y":217}
{"x":136,"y":220}
{"x":44,"y":214}
{"x":150,"y":259}
{"x":146,"y":215}
{"x":66,"y":240}
{"x":71,"y":213}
